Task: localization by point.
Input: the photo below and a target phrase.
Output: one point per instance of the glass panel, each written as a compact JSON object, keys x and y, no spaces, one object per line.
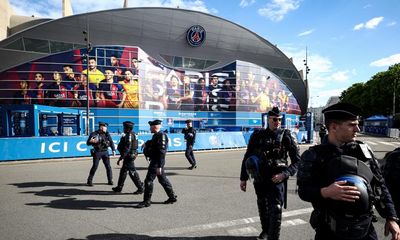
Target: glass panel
{"x":168,"y":59}
{"x":60,"y":46}
{"x":209,"y":63}
{"x":17,"y":45}
{"x":287,"y":74}
{"x":77,"y":46}
{"x":197,"y":63}
{"x":20,"y":123}
{"x":194,"y":63}
{"x":36,"y":45}
{"x":186,"y":63}
{"x":277,"y":71}
{"x":177,"y":62}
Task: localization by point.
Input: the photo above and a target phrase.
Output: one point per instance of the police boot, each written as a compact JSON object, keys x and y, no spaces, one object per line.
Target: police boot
{"x":117,"y":189}
{"x":262,"y":211}
{"x":146,"y":200}
{"x":89,"y":183}
{"x":172,"y":198}
{"x":144,"y":204}
{"x":274,"y":222}
{"x":262,"y":236}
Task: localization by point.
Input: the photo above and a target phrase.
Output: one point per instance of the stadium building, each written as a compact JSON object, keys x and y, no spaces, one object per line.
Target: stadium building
{"x":139,"y":64}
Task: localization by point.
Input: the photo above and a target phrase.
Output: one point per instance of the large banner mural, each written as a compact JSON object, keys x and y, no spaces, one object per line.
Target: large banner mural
{"x":126,"y":77}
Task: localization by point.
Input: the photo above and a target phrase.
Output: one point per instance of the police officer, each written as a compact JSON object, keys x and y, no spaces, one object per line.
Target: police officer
{"x":342,"y":179}
{"x":128,"y":146}
{"x":391,"y":174}
{"x":156,"y":149}
{"x":322,"y":132}
{"x":190,"y":138}
{"x":266,"y":158}
{"x":101,"y":141}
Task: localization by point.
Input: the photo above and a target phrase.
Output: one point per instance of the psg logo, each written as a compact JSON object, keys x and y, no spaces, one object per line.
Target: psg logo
{"x":195,"y":35}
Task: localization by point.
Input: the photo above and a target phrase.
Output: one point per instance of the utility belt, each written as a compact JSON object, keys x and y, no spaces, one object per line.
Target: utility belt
{"x":93,"y":151}
{"x":345,"y":227}
{"x":277,"y":164}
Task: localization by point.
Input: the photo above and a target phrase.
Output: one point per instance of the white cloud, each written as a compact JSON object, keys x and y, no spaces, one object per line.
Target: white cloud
{"x":305,"y":33}
{"x":48,"y":9}
{"x":340,"y":76}
{"x":388,"y":61}
{"x":324,"y":79}
{"x":321,"y":98}
{"x":358,"y":26}
{"x":370,"y":24}
{"x":245,"y":3}
{"x":52,"y":8}
{"x":373,"y":23}
{"x":277,"y":9}
{"x":391,"y":23}
{"x":367,"y":6}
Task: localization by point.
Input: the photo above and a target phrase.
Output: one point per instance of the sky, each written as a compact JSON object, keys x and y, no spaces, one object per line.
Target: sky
{"x":347,"y":41}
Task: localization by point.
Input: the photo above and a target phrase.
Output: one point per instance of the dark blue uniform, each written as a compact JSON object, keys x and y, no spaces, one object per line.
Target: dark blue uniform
{"x":127,"y":147}
{"x":391,"y":173}
{"x":155,"y":150}
{"x":319,"y":166}
{"x":190,"y":137}
{"x":100,"y":151}
{"x":273,"y":149}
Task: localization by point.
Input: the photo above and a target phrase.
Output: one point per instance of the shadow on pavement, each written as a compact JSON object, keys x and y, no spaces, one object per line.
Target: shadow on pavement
{"x":71,"y":203}
{"x":47,"y":184}
{"x":115,"y":236}
{"x":75,"y":204}
{"x":64,"y":192}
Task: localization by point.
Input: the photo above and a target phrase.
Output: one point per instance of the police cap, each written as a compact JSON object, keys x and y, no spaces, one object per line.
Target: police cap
{"x":155,"y":122}
{"x":188,"y":121}
{"x":341,"y":111}
{"x":274,"y":112}
{"x":128,"y":124}
{"x":103,"y":124}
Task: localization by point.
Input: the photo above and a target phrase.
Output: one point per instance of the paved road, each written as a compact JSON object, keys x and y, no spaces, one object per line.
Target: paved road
{"x":49,"y":200}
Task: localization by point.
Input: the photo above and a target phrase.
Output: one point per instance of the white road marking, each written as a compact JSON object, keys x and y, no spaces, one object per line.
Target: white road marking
{"x":242,"y":231}
{"x":371,"y":143}
{"x":293,"y":222}
{"x":224,"y":224}
{"x":296,"y":212}
{"x":387,"y":143}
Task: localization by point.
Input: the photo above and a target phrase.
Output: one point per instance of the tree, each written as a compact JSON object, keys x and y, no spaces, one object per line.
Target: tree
{"x":376,"y":95}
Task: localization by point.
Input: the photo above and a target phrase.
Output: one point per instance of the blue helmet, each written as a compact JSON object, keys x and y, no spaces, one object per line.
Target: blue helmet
{"x":361,"y":205}
{"x":253,"y":167}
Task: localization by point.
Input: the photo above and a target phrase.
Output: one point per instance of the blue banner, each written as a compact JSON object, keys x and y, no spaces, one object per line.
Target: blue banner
{"x":62,"y":147}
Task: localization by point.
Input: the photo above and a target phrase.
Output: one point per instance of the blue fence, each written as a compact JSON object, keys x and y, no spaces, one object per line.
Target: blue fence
{"x":63,"y":147}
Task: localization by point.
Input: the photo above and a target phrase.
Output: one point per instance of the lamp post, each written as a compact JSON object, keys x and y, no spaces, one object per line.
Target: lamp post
{"x":88,"y":49}
{"x":306,"y":64}
{"x":307,"y":72}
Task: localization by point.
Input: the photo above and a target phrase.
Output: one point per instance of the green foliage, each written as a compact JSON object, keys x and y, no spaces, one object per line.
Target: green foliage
{"x":376,"y":95}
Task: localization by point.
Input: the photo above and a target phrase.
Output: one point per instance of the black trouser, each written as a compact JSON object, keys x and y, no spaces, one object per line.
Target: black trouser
{"x":189,"y":154}
{"x":128,"y":167}
{"x":324,"y":233}
{"x":96,"y":159}
{"x":162,"y":179}
{"x":269,"y":201}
